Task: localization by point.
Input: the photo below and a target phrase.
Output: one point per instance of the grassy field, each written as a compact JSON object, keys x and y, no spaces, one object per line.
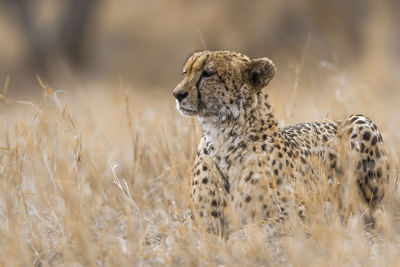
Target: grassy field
{"x":94,"y":169}
{"x":100,"y":178}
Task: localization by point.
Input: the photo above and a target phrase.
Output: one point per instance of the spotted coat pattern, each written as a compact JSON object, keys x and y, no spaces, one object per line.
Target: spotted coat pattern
{"x":247,"y":167}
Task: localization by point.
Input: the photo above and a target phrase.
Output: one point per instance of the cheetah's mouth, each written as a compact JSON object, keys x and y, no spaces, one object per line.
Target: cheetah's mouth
{"x":187,"y":112}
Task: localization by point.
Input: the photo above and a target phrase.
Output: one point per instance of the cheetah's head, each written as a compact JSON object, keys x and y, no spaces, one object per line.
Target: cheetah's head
{"x":216,"y":83}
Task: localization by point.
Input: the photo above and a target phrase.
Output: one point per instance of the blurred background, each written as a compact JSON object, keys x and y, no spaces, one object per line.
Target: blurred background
{"x":73,"y":43}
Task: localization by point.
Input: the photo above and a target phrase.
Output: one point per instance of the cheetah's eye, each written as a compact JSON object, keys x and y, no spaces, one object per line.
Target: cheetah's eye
{"x":208,"y":73}
{"x":184,"y":72}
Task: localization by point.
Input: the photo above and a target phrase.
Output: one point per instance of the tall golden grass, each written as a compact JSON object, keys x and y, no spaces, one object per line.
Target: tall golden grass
{"x":100,"y":178}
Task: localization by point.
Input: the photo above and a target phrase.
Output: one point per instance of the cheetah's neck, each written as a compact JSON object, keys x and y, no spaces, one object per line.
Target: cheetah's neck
{"x":255,"y":116}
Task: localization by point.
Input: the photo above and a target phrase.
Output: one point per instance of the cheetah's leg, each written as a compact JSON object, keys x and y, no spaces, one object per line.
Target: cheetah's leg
{"x":372,"y":166}
{"x":209,"y":197}
{"x":366,"y":161}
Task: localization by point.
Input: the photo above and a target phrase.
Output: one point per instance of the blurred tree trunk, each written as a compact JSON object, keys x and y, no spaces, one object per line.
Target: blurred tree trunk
{"x":69,"y":34}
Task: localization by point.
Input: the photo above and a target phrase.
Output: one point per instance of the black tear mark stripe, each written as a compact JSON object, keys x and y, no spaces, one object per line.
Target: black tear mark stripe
{"x":199,"y":56}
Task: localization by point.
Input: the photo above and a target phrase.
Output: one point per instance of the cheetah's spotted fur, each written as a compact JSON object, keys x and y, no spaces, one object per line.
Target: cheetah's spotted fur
{"x":249,"y":166}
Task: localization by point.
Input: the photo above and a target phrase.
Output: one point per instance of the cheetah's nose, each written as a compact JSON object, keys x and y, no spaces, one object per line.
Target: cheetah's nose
{"x":180,"y":94}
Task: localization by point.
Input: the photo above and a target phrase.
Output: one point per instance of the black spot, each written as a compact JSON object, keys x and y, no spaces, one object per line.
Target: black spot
{"x":276,"y":172}
{"x":263,"y":147}
{"x":280,"y":155}
{"x":204,"y":168}
{"x":374,"y":140}
{"x":205,"y":151}
{"x":353,"y":119}
{"x":379,"y":173}
{"x":226,"y":186}
{"x":214,"y":213}
{"x":254,"y":137}
{"x":366,"y":136}
{"x":214,"y":203}
{"x":248,"y":198}
{"x":198,"y":172}
{"x":205,"y":180}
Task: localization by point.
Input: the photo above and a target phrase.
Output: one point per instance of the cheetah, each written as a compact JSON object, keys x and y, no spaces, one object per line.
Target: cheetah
{"x":247,"y":167}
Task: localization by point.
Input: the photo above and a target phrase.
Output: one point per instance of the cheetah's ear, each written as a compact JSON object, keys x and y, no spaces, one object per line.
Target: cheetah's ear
{"x":261,"y":72}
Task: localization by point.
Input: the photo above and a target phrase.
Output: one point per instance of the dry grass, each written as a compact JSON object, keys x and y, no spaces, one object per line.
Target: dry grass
{"x":101,"y":178}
